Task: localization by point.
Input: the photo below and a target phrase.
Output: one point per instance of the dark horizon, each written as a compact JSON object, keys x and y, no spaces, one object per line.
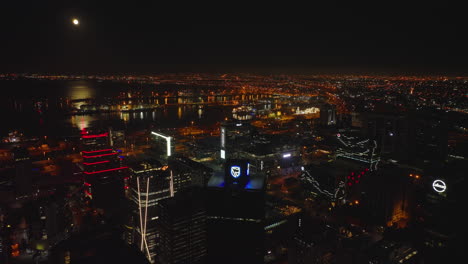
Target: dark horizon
{"x":328,"y":38}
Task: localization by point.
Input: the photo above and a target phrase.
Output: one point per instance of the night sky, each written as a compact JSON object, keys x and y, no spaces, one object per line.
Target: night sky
{"x":129,"y":37}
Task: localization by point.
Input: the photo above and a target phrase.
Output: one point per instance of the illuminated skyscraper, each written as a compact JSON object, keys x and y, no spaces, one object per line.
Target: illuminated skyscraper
{"x":102,"y":170}
{"x":150,"y":183}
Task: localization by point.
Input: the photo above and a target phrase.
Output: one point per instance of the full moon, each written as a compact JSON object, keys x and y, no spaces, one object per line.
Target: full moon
{"x":76,"y":22}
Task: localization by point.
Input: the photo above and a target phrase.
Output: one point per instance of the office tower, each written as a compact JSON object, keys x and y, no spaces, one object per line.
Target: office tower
{"x":103,"y":171}
{"x":388,"y":196}
{"x":328,"y":115}
{"x":187,"y":172}
{"x":163,"y":146}
{"x":182,"y":225}
{"x":441,"y":204}
{"x":102,"y":245}
{"x":309,"y":241}
{"x":23,"y":175}
{"x":392,"y":132}
{"x":236,"y":211}
{"x":234,"y":135}
{"x":429,"y":136}
{"x":3,"y":248}
{"x":416,"y":137}
{"x":150,"y":183}
{"x":4,"y":245}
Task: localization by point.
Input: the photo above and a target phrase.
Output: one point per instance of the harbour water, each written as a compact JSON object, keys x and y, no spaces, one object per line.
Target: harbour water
{"x":55,"y":108}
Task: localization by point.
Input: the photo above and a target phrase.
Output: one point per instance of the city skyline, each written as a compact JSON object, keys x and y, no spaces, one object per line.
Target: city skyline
{"x":146,"y":133}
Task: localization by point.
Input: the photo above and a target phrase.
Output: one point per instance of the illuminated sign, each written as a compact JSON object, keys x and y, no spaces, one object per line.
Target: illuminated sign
{"x":235,"y":171}
{"x":439,"y":186}
{"x":223,"y":154}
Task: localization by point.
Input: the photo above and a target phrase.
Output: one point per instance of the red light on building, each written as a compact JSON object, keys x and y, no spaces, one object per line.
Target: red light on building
{"x":94,"y":151}
{"x":101,"y":171}
{"x":94,"y":163}
{"x":101,"y":155}
{"x":96,"y":136}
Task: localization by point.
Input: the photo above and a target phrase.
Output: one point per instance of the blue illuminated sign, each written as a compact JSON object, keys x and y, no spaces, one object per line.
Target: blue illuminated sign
{"x":235,"y":171}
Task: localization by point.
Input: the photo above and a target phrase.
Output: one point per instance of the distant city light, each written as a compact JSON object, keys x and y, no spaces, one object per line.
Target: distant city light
{"x":287,"y":155}
{"x":76,"y":22}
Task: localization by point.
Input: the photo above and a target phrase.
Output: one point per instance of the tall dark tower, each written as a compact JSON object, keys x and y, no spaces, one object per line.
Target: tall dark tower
{"x":235,"y":206}
{"x":23,"y":175}
{"x":328,"y":115}
{"x":103,"y":172}
{"x":182,"y":225}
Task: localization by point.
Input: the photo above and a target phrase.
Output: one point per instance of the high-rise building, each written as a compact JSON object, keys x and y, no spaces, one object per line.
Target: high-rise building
{"x":182,"y":225}
{"x":236,"y":211}
{"x":234,"y":134}
{"x":430,"y":136}
{"x":388,"y":195}
{"x":100,"y":246}
{"x":4,"y":245}
{"x":308,"y":243}
{"x":150,"y":183}
{"x":23,"y":175}
{"x":443,"y":197}
{"x":103,"y":171}
{"x":187,"y":173}
{"x":328,"y":115}
{"x":408,"y":138}
{"x":163,"y":146}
